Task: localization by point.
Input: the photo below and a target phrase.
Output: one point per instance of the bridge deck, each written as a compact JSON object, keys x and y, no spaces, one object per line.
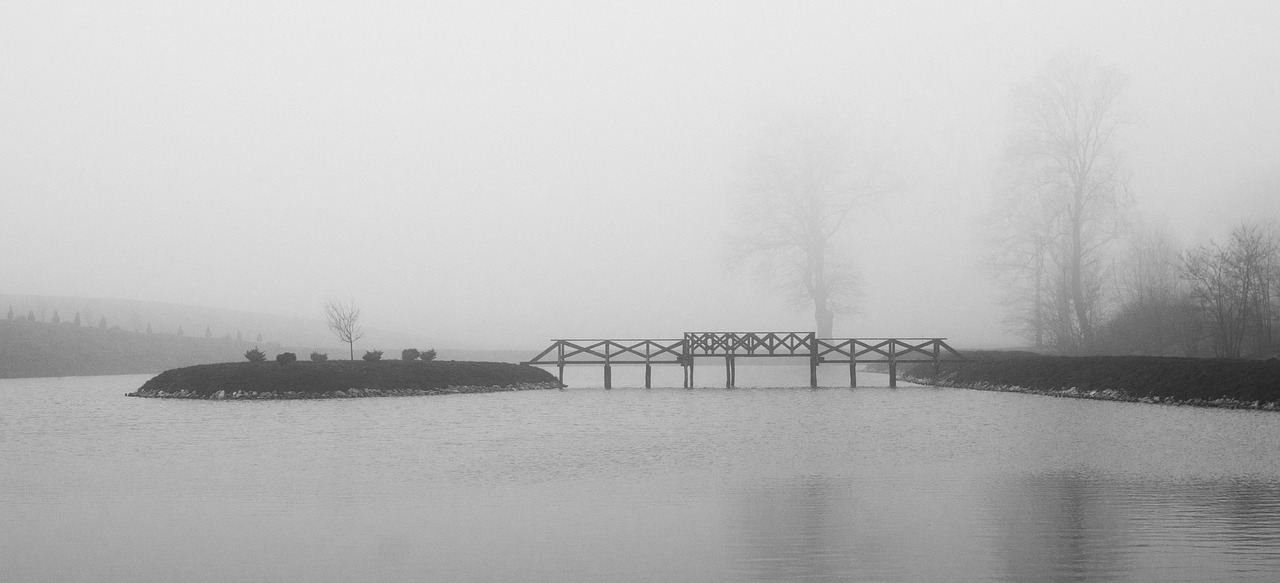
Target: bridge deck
{"x":733,"y":345}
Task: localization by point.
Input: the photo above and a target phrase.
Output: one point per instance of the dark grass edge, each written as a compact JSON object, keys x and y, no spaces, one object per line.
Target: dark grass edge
{"x":1218,"y":383}
{"x":342,"y":379}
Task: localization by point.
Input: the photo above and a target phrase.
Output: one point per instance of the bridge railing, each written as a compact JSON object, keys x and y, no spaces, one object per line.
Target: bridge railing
{"x":748,"y":343}
{"x":611,"y":351}
{"x":731,"y":345}
{"x":913,"y":350}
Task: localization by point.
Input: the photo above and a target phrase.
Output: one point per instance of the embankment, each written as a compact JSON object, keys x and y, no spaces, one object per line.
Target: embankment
{"x":41,"y":349}
{"x":342,"y":379}
{"x":1251,"y":384}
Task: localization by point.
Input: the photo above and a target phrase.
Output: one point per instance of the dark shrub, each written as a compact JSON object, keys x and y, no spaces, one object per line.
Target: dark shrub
{"x":286,"y":357}
{"x":429,"y":354}
{"x":372,"y":355}
{"x":409,"y":354}
{"x":319,"y":357}
{"x":256,"y":355}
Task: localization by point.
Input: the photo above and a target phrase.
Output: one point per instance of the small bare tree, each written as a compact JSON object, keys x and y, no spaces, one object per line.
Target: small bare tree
{"x":1234,"y":286}
{"x":796,"y":208}
{"x":344,"y":321}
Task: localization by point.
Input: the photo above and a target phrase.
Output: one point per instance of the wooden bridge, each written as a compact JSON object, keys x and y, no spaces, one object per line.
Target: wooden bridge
{"x":733,"y":345}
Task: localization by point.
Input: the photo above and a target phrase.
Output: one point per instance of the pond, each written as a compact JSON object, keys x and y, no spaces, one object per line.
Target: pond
{"x":759,"y":483}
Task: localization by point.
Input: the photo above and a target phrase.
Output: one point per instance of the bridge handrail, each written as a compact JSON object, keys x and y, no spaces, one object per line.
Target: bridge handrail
{"x":747,"y":344}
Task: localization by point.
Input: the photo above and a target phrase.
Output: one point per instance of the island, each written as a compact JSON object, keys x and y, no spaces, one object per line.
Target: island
{"x":342,"y":379}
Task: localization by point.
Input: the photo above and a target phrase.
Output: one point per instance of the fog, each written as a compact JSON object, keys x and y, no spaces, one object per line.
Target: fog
{"x":496,"y":175}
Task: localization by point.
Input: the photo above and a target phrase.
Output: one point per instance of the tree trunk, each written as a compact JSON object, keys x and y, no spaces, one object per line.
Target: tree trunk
{"x":351,"y":346}
{"x":1077,"y":278}
{"x":824,"y":319}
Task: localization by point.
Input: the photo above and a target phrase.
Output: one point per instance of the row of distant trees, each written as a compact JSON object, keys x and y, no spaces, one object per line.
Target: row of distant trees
{"x":31,"y":317}
{"x":102,"y":324}
{"x":1220,"y":298}
{"x":1079,"y":279}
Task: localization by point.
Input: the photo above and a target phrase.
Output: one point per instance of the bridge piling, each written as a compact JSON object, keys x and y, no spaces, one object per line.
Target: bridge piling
{"x":608,"y":373}
{"x":893,"y":364}
{"x":813,"y":361}
{"x":560,"y":359}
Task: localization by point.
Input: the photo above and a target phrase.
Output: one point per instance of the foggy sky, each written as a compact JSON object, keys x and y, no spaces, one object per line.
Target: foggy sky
{"x":499,"y":174}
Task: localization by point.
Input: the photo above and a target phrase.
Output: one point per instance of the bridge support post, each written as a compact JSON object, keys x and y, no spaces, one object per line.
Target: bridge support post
{"x":813,"y":361}
{"x":560,"y":359}
{"x":728,"y":371}
{"x":937,"y":360}
{"x":853,"y":369}
{"x":648,"y":375}
{"x":893,"y":364}
{"x":608,"y":370}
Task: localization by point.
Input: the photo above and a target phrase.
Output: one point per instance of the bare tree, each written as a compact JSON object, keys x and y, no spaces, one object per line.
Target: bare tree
{"x":797,"y":202}
{"x":344,"y":321}
{"x":1062,"y":197}
{"x":1235,"y":287}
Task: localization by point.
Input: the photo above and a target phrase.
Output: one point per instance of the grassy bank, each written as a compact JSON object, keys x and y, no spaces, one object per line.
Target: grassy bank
{"x":309,"y":379}
{"x":1194,"y":381}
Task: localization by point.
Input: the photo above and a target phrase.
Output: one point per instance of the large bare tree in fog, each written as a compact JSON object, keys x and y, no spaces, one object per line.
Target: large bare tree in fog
{"x":796,"y":203}
{"x":1062,"y":199}
{"x":344,"y":321}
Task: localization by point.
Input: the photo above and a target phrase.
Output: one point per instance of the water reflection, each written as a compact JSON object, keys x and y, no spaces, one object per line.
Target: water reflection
{"x":1072,"y":526}
{"x":811,"y":530}
{"x":1057,"y":527}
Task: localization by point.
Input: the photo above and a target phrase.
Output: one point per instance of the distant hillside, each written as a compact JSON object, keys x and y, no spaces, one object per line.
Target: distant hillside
{"x":39,"y":349}
{"x":161,"y":317}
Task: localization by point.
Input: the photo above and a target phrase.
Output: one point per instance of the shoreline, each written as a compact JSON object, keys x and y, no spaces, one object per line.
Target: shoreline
{"x":1099,"y":395}
{"x":342,"y":380}
{"x":1216,"y":383}
{"x":351,"y":393}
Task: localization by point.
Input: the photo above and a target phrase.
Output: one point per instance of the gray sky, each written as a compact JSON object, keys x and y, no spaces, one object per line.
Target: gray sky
{"x":504,"y":173}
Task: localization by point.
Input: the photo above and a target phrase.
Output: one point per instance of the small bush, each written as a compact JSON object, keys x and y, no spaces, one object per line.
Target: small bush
{"x":256,"y":355}
{"x":372,"y":355}
{"x":286,"y":357}
{"x":319,"y":356}
{"x":409,"y":354}
{"x":429,"y":354}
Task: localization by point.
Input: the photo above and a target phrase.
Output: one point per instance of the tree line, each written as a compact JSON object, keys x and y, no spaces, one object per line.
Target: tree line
{"x":1079,"y":278}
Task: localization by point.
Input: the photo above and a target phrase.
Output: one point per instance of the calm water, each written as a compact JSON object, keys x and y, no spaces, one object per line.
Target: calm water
{"x":749,"y":484}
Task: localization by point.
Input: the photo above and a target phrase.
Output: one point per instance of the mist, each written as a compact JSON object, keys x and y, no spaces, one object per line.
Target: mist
{"x":491,"y":175}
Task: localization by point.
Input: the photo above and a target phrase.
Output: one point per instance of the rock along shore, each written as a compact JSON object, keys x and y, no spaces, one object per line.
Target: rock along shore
{"x":1231,"y":384}
{"x":342,"y":380}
